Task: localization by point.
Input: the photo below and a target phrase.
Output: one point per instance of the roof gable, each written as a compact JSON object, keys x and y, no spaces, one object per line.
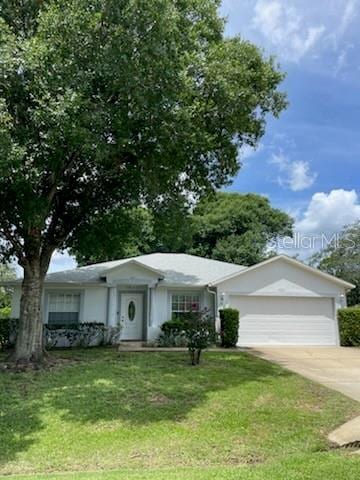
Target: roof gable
{"x":291,"y":261}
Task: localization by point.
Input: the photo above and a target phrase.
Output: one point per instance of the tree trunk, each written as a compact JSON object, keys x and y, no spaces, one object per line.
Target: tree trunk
{"x":29,"y":343}
{"x":198,"y":355}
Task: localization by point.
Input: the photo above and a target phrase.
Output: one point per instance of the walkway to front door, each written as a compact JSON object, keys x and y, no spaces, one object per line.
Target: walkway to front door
{"x":131,"y":315}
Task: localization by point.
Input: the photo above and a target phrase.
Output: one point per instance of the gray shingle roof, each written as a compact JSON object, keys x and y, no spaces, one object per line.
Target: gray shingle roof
{"x":176,"y":268}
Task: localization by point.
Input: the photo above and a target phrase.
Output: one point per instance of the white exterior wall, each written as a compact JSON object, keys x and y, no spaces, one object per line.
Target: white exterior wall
{"x":158,"y":311}
{"x":15,"y":302}
{"x":282,"y":279}
{"x":94,"y":305}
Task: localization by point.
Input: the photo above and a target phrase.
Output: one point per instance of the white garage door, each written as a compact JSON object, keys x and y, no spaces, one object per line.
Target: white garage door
{"x":285,"y":321}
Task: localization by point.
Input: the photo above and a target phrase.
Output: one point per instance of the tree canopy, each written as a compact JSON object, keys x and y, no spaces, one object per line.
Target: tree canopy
{"x":237,"y":228}
{"x":232,"y":227}
{"x":108,"y":104}
{"x":342,"y":259}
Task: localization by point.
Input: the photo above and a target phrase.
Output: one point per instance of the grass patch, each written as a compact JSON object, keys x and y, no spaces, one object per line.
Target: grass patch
{"x":134,"y":411}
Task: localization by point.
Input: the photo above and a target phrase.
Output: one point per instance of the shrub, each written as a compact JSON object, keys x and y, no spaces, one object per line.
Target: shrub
{"x":194,"y":330}
{"x":173,"y":327}
{"x":168,"y":340}
{"x":173,"y":334}
{"x":349,"y":326}
{"x":5,"y":312}
{"x":8,"y":330}
{"x":89,"y":334}
{"x":199,"y":333}
{"x":229,"y":330}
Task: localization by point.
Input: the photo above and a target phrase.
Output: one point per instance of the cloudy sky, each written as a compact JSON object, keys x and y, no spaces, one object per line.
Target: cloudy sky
{"x":308,"y":163}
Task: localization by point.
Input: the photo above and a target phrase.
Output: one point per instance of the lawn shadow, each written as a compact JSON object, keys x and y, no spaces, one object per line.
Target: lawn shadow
{"x":104,"y":385}
{"x":19,"y":416}
{"x":142,"y":388}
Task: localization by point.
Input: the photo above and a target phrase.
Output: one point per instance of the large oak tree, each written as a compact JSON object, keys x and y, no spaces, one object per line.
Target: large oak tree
{"x":114,"y":103}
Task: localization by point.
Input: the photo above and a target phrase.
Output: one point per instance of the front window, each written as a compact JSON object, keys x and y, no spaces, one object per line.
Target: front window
{"x":184,"y":303}
{"x":64,"y":309}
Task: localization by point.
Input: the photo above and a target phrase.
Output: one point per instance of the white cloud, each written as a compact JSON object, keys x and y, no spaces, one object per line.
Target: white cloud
{"x":295,"y":175}
{"x":286,"y":29}
{"x":329,"y":212}
{"x":62,"y":261}
{"x":349,"y":14}
{"x":246,"y":152}
{"x":324,"y":216}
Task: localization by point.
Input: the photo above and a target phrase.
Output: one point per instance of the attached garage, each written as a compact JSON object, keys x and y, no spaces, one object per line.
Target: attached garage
{"x":285,"y":320}
{"x":284,"y":302}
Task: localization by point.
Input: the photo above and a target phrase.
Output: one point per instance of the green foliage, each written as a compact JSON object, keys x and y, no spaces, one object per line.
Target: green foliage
{"x":86,"y":334}
{"x":8,"y":328}
{"x":100,"y":401}
{"x":199,"y":333}
{"x":342,"y":259}
{"x":134,"y":231}
{"x":349,"y":325}
{"x":225,"y":226}
{"x":173,"y":333}
{"x":5,"y":312}
{"x":174,"y":326}
{"x":237,"y":228}
{"x":229,"y":330}
{"x":7,"y":272}
{"x":105,"y":105}
{"x":195,"y":330}
{"x":171,"y":340}
{"x":4,"y":332}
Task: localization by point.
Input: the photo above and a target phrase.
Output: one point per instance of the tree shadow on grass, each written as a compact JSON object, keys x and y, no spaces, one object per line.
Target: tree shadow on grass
{"x":19,"y":416}
{"x":135,"y":388}
{"x":144,"y":388}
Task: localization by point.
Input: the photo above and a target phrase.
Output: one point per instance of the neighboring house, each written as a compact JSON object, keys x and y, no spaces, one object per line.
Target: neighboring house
{"x":281,"y":300}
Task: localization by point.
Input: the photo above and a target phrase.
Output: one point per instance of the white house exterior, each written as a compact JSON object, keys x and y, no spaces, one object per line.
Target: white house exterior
{"x":281,"y":301}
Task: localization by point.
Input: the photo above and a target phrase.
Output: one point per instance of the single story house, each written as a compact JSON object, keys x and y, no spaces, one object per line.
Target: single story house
{"x":281,"y":300}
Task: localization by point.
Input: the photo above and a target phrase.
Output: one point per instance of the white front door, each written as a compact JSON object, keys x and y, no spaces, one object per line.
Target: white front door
{"x":131,"y":315}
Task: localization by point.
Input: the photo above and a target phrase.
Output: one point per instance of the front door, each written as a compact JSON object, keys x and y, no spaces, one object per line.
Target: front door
{"x":131,"y":315}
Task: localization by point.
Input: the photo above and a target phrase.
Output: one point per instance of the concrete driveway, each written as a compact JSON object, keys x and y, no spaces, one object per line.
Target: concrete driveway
{"x":335,"y":367}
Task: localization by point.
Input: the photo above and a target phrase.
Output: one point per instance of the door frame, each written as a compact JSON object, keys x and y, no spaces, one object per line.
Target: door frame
{"x":144,"y":310}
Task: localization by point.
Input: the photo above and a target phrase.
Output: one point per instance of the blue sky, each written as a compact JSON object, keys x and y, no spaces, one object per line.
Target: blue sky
{"x":308,"y":163}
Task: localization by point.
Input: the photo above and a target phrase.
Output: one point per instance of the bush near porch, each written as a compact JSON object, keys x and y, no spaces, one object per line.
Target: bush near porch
{"x":349,"y":326}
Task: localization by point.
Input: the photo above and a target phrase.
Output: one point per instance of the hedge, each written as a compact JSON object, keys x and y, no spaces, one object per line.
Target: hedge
{"x":229,"y":329}
{"x":8,"y":328}
{"x":349,"y":326}
{"x":89,"y":334}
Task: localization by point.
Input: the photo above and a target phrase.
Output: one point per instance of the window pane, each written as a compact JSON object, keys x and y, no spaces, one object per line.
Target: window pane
{"x":185,"y":303}
{"x":63,"y":308}
{"x":63,"y":318}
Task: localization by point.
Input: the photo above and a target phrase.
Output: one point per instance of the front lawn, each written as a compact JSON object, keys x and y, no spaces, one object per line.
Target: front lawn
{"x":137,"y":415}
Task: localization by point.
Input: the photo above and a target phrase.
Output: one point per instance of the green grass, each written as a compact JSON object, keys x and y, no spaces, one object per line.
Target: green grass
{"x":152,"y":416}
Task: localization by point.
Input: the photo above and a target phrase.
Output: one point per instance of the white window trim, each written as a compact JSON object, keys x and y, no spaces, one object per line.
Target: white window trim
{"x":198,"y":293}
{"x":63,"y":292}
